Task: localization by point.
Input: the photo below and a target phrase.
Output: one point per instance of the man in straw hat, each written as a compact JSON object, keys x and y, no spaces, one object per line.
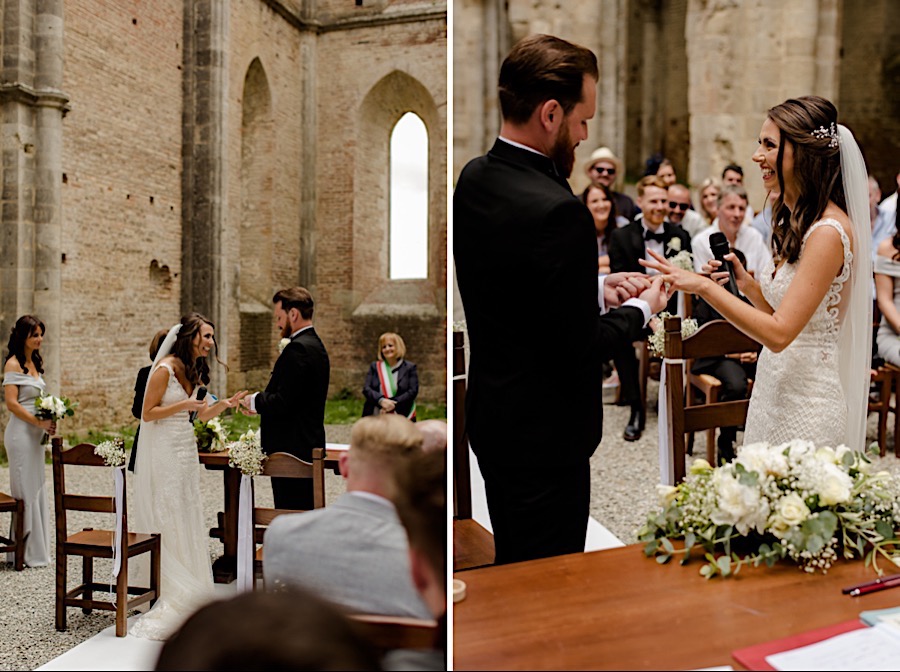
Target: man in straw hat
{"x":605,"y":168}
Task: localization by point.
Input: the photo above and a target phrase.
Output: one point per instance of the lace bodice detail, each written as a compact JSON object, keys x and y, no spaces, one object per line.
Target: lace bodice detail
{"x":797,"y":392}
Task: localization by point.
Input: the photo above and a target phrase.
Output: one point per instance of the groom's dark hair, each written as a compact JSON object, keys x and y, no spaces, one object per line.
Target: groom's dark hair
{"x":296,"y":297}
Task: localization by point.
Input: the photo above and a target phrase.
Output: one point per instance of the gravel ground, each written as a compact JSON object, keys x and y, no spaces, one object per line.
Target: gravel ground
{"x":27,"y":628}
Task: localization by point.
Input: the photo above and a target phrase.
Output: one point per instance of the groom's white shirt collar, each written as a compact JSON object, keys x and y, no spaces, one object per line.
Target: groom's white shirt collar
{"x":301,"y":330}
{"x":520,"y":145}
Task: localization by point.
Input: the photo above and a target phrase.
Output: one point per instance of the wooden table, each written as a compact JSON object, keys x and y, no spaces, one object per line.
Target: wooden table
{"x":617,"y":609}
{"x":225,"y":566}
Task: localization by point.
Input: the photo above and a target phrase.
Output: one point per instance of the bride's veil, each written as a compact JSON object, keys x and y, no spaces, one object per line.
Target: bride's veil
{"x":143,"y":474}
{"x":855,"y":342}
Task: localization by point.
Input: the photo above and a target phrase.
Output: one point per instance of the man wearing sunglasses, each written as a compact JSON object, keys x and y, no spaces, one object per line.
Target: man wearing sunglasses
{"x":605,"y":168}
{"x":681,"y":211}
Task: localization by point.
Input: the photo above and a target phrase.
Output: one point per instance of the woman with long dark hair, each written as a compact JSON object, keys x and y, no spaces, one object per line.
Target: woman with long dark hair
{"x":598,"y":199}
{"x":812,"y":308}
{"x":167,"y":478}
{"x":23,"y":383}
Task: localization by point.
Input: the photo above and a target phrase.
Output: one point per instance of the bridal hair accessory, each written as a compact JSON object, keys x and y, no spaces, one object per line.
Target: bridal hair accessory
{"x":830,"y":132}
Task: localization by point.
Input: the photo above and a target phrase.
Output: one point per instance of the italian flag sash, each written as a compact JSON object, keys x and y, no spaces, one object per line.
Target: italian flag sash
{"x":389,"y":385}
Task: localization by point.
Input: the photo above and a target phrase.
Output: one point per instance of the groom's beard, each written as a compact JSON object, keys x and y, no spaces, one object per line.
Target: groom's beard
{"x":286,"y":331}
{"x":563,"y":153}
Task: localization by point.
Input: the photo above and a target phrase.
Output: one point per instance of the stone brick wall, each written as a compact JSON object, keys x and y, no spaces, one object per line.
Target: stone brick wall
{"x":286,"y":208}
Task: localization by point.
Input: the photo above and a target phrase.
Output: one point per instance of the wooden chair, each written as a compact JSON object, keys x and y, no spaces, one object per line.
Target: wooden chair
{"x":650,"y":366}
{"x":285,"y":465}
{"x":473,"y":546}
{"x":894,"y":404}
{"x":91,"y":543}
{"x":705,"y":387}
{"x":396,"y":632}
{"x":16,"y":544}
{"x":884,"y":378}
{"x":713,"y":339}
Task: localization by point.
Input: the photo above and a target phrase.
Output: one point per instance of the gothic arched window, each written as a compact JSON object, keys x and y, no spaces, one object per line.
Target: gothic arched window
{"x":408,"y":231}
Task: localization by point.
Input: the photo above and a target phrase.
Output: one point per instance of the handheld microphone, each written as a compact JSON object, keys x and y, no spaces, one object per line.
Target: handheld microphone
{"x":719,"y":246}
{"x":201,"y":394}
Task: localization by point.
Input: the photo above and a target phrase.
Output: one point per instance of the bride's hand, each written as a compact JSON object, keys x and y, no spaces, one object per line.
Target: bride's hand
{"x":236,"y":399}
{"x":193,"y":405}
{"x":676,"y":279}
{"x":715,"y":269}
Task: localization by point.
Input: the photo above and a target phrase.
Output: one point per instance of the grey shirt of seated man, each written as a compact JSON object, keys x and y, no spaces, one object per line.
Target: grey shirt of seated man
{"x":353,"y":552}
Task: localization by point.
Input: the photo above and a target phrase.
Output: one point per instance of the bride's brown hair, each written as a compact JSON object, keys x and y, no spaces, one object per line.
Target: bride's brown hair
{"x":196,"y":370}
{"x":817,"y":170}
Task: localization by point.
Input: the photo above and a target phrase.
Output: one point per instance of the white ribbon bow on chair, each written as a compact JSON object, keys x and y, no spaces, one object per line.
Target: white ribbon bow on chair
{"x":119,"y":473}
{"x":245,"y":542}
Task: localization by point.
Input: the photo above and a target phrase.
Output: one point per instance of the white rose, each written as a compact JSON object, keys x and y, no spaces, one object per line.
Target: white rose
{"x":282,"y":344}
{"x":675,"y":244}
{"x":700,"y":466}
{"x":791,"y":511}
{"x":666,"y":494}
{"x":834,"y":488}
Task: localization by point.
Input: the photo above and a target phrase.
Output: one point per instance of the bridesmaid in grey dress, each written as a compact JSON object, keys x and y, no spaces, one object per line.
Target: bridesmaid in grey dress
{"x":23,"y":383}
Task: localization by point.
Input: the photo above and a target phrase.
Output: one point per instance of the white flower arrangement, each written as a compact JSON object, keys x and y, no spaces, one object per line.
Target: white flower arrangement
{"x":211,"y":435}
{"x":683,"y":260}
{"x":657,"y":340}
{"x":112,"y":452}
{"x":282,"y":344}
{"x":246,"y":454}
{"x":48,"y":407}
{"x":794,"y":500}
{"x":674,"y":244}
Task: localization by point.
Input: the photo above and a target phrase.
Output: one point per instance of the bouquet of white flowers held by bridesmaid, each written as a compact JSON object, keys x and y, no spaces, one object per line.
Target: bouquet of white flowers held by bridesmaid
{"x":246,"y":454}
{"x":112,"y":451}
{"x":48,"y":407}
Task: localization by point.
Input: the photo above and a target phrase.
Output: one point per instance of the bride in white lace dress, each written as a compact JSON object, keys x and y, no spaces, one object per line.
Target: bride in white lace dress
{"x":812,"y":308}
{"x":167,"y":475}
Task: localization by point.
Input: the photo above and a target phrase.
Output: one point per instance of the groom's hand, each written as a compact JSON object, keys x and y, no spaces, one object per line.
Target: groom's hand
{"x":245,"y":406}
{"x":619,"y":287}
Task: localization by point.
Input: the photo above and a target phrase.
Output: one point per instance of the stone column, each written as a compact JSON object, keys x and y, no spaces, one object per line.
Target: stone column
{"x":308,"y":171}
{"x":32,"y":106}
{"x":204,"y":280}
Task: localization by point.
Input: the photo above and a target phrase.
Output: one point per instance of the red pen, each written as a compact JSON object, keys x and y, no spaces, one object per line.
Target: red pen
{"x":882,"y":583}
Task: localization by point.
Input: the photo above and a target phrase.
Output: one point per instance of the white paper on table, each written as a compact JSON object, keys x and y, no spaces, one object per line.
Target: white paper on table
{"x":875,"y":648}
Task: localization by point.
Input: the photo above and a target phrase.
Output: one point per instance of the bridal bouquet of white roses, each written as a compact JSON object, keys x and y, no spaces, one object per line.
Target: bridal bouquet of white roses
{"x":246,"y":454}
{"x":795,"y":500}
{"x":48,"y":407}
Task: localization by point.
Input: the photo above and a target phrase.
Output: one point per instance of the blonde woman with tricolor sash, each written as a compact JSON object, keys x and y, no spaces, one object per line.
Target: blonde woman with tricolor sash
{"x":392,"y":383}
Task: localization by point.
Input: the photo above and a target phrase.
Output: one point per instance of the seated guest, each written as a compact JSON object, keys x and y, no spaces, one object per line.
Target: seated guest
{"x":887,"y":294}
{"x":883,"y":226}
{"x":598,"y":200}
{"x":291,"y":630}
{"x":604,"y":167}
{"x":422,"y":506}
{"x":734,"y":174}
{"x":709,"y":197}
{"x":392,"y":383}
{"x":741,"y":236}
{"x":681,"y":210}
{"x":734,"y":372}
{"x":354,"y":552}
{"x":626,"y":245}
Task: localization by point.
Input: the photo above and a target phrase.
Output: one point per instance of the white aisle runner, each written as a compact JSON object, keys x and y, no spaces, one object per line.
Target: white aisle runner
{"x":598,"y":537}
{"x":105,"y":651}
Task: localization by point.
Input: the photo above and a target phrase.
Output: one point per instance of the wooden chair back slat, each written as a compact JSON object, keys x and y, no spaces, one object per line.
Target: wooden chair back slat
{"x":395,"y":632}
{"x":93,"y":503}
{"x":462,"y":485}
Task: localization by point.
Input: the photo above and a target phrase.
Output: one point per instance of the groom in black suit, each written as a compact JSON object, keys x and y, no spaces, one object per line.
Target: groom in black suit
{"x":526,"y":264}
{"x":292,"y":407}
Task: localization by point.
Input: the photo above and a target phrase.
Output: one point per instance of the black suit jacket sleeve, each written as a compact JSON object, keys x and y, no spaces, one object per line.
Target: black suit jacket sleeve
{"x":372,"y":387}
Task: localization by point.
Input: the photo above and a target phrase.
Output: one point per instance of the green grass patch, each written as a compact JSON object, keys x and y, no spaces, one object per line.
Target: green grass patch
{"x":337,"y":412}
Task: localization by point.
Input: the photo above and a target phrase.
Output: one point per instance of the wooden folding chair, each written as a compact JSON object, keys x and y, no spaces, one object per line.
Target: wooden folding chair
{"x":91,"y":543}
{"x":285,"y":465}
{"x":16,"y":544}
{"x":387,"y":633}
{"x":705,"y":387}
{"x":713,"y":339}
{"x":884,"y":377}
{"x":473,"y":546}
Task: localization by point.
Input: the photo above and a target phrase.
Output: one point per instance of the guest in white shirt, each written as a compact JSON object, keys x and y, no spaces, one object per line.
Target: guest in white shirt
{"x":741,"y":236}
